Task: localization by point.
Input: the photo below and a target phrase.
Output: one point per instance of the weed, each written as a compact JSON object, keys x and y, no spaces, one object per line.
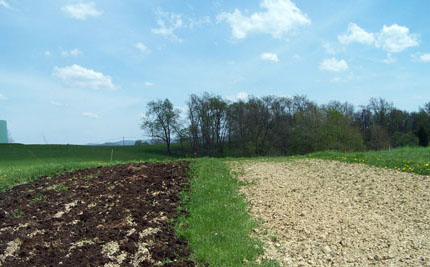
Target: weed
{"x":39,"y":198}
{"x":61,"y":187}
{"x":17,"y":214}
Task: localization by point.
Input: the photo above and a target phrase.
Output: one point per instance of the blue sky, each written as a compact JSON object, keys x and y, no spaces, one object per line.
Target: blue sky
{"x":82,"y":71}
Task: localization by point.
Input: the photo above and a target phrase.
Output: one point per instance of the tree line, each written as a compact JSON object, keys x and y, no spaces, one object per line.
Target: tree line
{"x":272,"y":125}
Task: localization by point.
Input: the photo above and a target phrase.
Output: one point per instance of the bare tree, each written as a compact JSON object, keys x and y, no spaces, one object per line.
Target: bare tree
{"x":160,"y":121}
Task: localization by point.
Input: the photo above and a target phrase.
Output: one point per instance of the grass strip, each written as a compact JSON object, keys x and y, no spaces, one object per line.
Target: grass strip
{"x":218,"y":226}
{"x":405,"y":159}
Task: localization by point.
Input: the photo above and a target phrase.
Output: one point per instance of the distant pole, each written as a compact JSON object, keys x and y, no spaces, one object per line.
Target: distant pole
{"x":44,"y":138}
{"x":123,"y":142}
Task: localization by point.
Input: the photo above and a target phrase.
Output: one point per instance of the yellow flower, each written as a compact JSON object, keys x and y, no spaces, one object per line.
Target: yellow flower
{"x":427,"y":164}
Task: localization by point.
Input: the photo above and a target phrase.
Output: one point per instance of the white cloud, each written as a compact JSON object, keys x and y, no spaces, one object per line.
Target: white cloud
{"x":149,"y":84}
{"x":242,"y":95}
{"x":183,"y":112}
{"x":356,"y":34}
{"x":56,"y":103}
{"x":4,"y":4}
{"x":90,"y":115}
{"x":332,"y":64}
{"x":82,"y":10}
{"x":344,"y":79}
{"x":47,"y":53}
{"x":76,"y":75}
{"x":193,"y":22}
{"x":280,"y":17}
{"x":74,"y":52}
{"x":2,"y":97}
{"x":390,"y":59}
{"x":269,"y":57}
{"x":142,"y":47}
{"x":425,"y":58}
{"x":329,"y":49}
{"x":395,"y":38}
{"x":167,"y":24}
{"x":238,"y":96}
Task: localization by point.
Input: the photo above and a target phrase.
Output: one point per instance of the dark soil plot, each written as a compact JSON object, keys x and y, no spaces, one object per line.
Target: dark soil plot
{"x":106,"y":216}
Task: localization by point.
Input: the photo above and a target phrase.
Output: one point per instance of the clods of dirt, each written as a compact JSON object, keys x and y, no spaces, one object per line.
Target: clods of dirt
{"x":106,"y":216}
{"x":329,"y":213}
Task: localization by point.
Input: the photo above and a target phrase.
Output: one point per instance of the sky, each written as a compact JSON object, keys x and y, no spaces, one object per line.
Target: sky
{"x":78,"y":71}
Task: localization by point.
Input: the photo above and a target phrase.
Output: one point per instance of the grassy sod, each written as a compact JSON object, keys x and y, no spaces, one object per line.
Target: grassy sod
{"x":20,"y":164}
{"x":406,"y":159}
{"x":217,"y":225}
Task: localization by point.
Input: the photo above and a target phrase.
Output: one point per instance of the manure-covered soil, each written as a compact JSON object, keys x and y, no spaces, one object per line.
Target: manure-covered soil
{"x":329,"y":213}
{"x":106,"y":216}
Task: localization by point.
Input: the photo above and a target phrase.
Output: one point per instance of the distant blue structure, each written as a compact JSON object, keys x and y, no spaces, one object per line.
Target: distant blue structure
{"x":3,"y":133}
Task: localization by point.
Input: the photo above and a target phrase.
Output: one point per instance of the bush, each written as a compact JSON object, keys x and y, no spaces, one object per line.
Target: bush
{"x":336,"y":133}
{"x":138,"y":143}
{"x":404,"y":139}
{"x":422,"y":136}
{"x":379,"y":138}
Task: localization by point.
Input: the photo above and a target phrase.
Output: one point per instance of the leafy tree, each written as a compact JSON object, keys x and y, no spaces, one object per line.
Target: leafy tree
{"x":336,"y":133}
{"x":379,"y":138}
{"x":160,"y":121}
{"x":404,"y":139}
{"x":380,"y":109}
{"x":422,"y":136}
{"x":304,"y":135}
{"x":208,"y":122}
{"x":138,"y":143}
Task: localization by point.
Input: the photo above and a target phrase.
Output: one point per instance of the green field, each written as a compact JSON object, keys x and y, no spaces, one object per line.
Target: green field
{"x":22,"y":163}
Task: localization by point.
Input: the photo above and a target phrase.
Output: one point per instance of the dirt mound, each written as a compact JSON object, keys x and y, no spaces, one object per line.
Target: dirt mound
{"x":328,"y":213}
{"x":105,"y":216}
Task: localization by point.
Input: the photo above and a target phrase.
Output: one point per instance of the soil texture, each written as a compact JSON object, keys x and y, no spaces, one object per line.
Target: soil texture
{"x":106,"y":216}
{"x":329,"y":213}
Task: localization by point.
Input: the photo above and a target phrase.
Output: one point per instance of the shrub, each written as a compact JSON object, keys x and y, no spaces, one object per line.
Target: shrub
{"x":404,"y":139}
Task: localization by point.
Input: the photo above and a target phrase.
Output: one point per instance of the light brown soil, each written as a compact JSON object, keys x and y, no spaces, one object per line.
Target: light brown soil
{"x":327,"y":213}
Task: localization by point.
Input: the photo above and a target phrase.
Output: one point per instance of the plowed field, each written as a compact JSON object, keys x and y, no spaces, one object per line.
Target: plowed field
{"x":329,"y":213}
{"x":105,"y":216}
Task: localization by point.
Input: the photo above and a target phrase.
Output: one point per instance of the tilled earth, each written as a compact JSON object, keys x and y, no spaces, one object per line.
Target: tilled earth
{"x":329,"y":213}
{"x":105,"y":216}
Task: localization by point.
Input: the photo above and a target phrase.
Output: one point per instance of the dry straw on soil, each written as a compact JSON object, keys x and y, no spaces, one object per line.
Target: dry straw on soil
{"x":327,"y":213}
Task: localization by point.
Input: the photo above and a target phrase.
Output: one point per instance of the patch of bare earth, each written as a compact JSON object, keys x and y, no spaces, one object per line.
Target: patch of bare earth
{"x":328,"y":213}
{"x":106,"y":216}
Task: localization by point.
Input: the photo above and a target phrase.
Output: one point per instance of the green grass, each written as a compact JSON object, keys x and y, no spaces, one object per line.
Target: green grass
{"x":218,"y":226}
{"x":406,"y":159}
{"x":20,"y":164}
